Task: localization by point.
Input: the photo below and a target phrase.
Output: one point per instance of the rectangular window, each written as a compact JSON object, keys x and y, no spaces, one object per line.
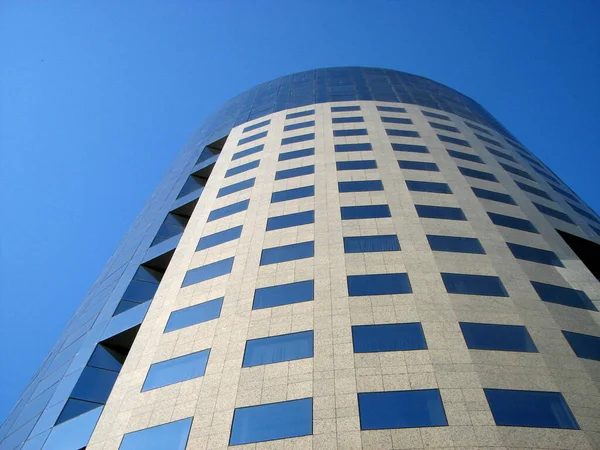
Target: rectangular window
{"x":344,"y":133}
{"x":533,"y":190}
{"x":256,"y":126}
{"x":284,"y":294}
{"x":292,"y":194}
{"x":274,"y":349}
{"x":310,"y":112}
{"x":512,"y":408}
{"x":532,"y":254}
{"x":345,"y":108}
{"x":455,"y":244}
{"x":296,"y":154}
{"x":546,"y":175}
{"x":402,"y":133}
{"x":390,"y":109}
{"x":254,"y":137}
{"x":584,"y":345}
{"x":363,"y":244}
{"x":272,"y":421}
{"x":295,"y":172}
{"x":501,"y":154}
{"x":478,"y":128}
{"x":440,"y":212}
{"x":553,"y":213}
{"x":418,"y":165}
{"x":563,"y":296}
{"x":176,"y":370}
{"x":242,"y":168}
{"x":428,"y":186}
{"x":297,"y":126}
{"x":360,"y":186}
{"x":285,"y":253}
{"x":362,"y":147}
{"x":458,"y":283}
{"x":397,"y":120}
{"x":489,"y":141}
{"x":382,"y":284}
{"x":388,"y":337}
{"x":401,"y":409}
{"x":487,"y":336}
{"x":435,"y":116}
{"x":228,"y":210}
{"x":477,"y":174}
{"x":584,"y":213}
{"x":207,"y":272}
{"x":172,"y":435}
{"x":300,"y":138}
{"x":512,"y":222}
{"x":236,"y":187}
{"x":563,"y":192}
{"x":452,"y":140}
{"x":441,"y":126}
{"x":493,"y":196}
{"x":195,"y":314}
{"x":356,"y":165}
{"x":250,"y":151}
{"x":365,"y":212}
{"x":411,"y":148}
{"x":465,"y":156}
{"x":516,"y":171}
{"x":357,"y":119}
{"x":221,"y":237}
{"x":290,"y":220}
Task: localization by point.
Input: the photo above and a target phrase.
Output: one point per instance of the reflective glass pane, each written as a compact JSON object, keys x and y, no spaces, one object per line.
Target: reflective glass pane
{"x":487,"y":336}
{"x":532,"y":254}
{"x":419,"y":165}
{"x":344,"y":108}
{"x":106,"y":358}
{"x":440,"y":212}
{"x":365,"y":212}
{"x":274,"y":349}
{"x":170,"y":436}
{"x":250,"y":151}
{"x":236,"y":187}
{"x":362,"y":244}
{"x":176,"y":370}
{"x":401,"y":120}
{"x":391,"y":109}
{"x":584,"y":345}
{"x":388,"y":337}
{"x":295,"y":172}
{"x":553,"y":213}
{"x":428,"y":186}
{"x":434,"y":115}
{"x":254,"y":137}
{"x":301,"y":138}
{"x":441,"y":126}
{"x":403,"y":133}
{"x":207,"y":272}
{"x":219,"y":238}
{"x":381,"y":284}
{"x":352,"y":132}
{"x":297,"y":126}
{"x":563,"y":296}
{"x":479,"y":174}
{"x":452,"y":140}
{"x":516,"y":171}
{"x":292,"y":194}
{"x":195,"y":314}
{"x":264,"y":123}
{"x":284,"y":294}
{"x":458,"y":283}
{"x":455,"y":244}
{"x":228,"y":210}
{"x":411,"y":148}
{"x":360,"y":186}
{"x":290,"y":220}
{"x":489,"y":141}
{"x":465,"y":156}
{"x":512,"y":222}
{"x":309,"y":112}
{"x":285,"y":253}
{"x":494,"y":196}
{"x":74,"y":408}
{"x":94,"y":384}
{"x":296,"y":154}
{"x":361,"y":147}
{"x":501,"y":154}
{"x":357,"y":119}
{"x":242,"y":168}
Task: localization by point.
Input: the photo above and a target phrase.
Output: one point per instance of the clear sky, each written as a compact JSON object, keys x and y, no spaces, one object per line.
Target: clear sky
{"x":97,"y":98}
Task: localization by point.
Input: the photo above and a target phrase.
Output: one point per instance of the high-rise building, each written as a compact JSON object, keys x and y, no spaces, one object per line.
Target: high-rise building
{"x":340,"y":258}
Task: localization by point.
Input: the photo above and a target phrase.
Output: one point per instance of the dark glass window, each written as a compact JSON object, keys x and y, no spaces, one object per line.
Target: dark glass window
{"x":174,"y":225}
{"x":297,"y":126}
{"x":516,"y":171}
{"x":563,"y":296}
{"x":344,"y":108}
{"x":411,"y":148}
{"x":435,"y":116}
{"x":195,"y":314}
{"x":290,"y":220}
{"x":563,"y":192}
{"x":171,"y":436}
{"x":143,"y":286}
{"x":250,"y":151}
{"x":388,"y":337}
{"x":587,"y":251}
{"x":452,"y":140}
{"x":542,"y":173}
{"x":428,"y":186}
{"x":365,"y":212}
{"x":284,"y":294}
{"x":477,"y":174}
{"x":501,"y":154}
{"x":533,"y":190}
{"x":382,"y":284}
{"x":192,"y":184}
{"x":418,"y":165}
{"x":362,"y":244}
{"x":455,"y":244}
{"x":292,"y":194}
{"x":553,"y":213}
{"x":176,"y":370}
{"x":264,"y":123}
{"x":494,"y":196}
{"x":310,"y":112}
{"x":478,"y":128}
{"x":440,"y":212}
{"x":362,"y":147}
{"x":272,"y":421}
{"x":465,"y":156}
{"x":403,"y":133}
{"x":236,"y":187}
{"x":391,"y":109}
{"x":489,"y":141}
{"x":401,"y":409}
{"x":356,"y":165}
{"x":254,"y":137}
{"x":285,"y":253}
{"x":486,"y":336}
{"x":360,"y":186}
{"x":584,"y":345}
{"x":441,"y":126}
{"x":274,"y":349}
{"x":207,"y":272}
{"x":357,"y":119}
{"x":300,"y":138}
{"x":219,"y":238}
{"x":228,"y":210}
{"x":397,"y":120}
{"x":512,"y":222}
{"x":458,"y":283}
{"x":243,"y":168}
{"x":94,"y":385}
{"x":584,"y":213}
{"x":357,"y":132}
{"x":295,"y":172}
{"x":530,"y":409}
{"x":296,"y":154}
{"x":534,"y":254}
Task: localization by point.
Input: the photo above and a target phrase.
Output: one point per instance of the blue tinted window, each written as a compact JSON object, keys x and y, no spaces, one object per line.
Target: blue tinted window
{"x":357,"y":119}
{"x":250,"y":151}
{"x":272,"y":421}
{"x":362,"y":244}
{"x":236,"y":187}
{"x":563,"y":296}
{"x":274,"y":349}
{"x":208,"y":272}
{"x":501,"y":154}
{"x":440,"y":212}
{"x":534,"y":254}
{"x":563,"y":192}
{"x":455,"y":244}
{"x":477,"y":174}
{"x":219,"y":238}
{"x":411,"y":148}
{"x":512,"y":222}
{"x":310,"y":112}
{"x":243,"y":168}
{"x":419,"y":165}
{"x":541,"y":172}
{"x":509,"y":338}
{"x":458,"y":283}
{"x":284,"y":294}
{"x":176,"y":370}
{"x":516,"y":171}
{"x":452,"y":140}
{"x":344,"y":108}
{"x":382,"y":284}
{"x":401,"y":409}
{"x":254,"y":137}
{"x":553,"y":213}
{"x":391,"y":109}
{"x":292,"y":194}
{"x":435,"y":116}
{"x":494,"y":196}
{"x":301,"y":138}
{"x":530,"y":409}
{"x":489,"y":141}
{"x":297,"y":126}
{"x":228,"y":210}
{"x":440,"y":126}
{"x":195,"y":314}
{"x":362,"y":147}
{"x":397,"y":120}
{"x":365,"y":212}
{"x":465,"y":156}
{"x":428,"y":186}
{"x":295,"y":172}
{"x":356,"y":165}
{"x":94,"y":385}
{"x":403,"y":133}
{"x":287,"y":253}
{"x":357,"y":132}
{"x":584,"y":345}
{"x":533,"y":190}
{"x":360,"y":186}
{"x":171,"y":436}
{"x":264,"y":123}
{"x":290,"y":220}
{"x":388,"y":337}
{"x":583,"y":213}
{"x":478,"y":128}
{"x":296,"y":154}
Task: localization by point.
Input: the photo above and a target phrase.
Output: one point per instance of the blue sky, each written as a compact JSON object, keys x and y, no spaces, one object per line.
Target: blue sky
{"x":97,"y":98}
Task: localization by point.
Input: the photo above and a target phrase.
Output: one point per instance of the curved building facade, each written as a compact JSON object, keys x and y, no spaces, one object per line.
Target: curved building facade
{"x":340,"y":258}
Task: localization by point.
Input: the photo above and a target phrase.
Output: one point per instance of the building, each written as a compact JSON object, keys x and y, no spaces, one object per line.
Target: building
{"x":341,"y":258}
